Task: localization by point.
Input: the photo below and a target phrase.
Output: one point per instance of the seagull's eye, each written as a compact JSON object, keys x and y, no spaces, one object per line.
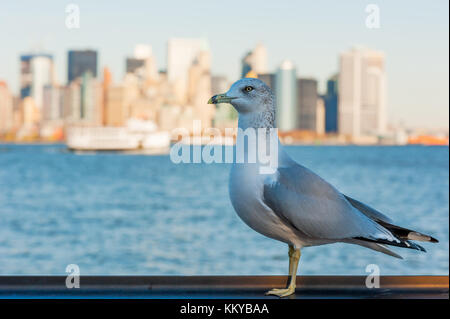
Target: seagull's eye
{"x":248,"y":88}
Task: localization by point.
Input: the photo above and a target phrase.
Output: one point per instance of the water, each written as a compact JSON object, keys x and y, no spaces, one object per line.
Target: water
{"x":136,"y":214}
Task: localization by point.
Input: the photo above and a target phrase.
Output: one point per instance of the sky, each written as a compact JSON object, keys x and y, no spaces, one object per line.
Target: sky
{"x":413,"y":34}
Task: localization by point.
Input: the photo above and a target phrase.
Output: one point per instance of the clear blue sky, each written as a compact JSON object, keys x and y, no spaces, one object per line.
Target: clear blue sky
{"x":413,"y":34}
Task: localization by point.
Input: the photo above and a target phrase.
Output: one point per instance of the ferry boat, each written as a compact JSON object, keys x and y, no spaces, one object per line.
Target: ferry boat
{"x":135,"y":136}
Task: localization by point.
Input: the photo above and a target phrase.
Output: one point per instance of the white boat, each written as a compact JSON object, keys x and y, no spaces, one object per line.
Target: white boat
{"x":137,"y":135}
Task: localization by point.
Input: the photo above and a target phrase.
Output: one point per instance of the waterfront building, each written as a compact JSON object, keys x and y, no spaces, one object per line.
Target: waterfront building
{"x":181,"y":54}
{"x":255,"y":61}
{"x":52,"y":109}
{"x":320,"y":116}
{"x":6,"y":109}
{"x":307,"y":104}
{"x":286,"y":95}
{"x":80,"y":62}
{"x":36,"y":72}
{"x":119,"y":100}
{"x":331,"y":105}
{"x":269,"y":79}
{"x":362,"y":93}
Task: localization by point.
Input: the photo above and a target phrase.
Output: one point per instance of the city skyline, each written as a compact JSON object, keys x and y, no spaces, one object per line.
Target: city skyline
{"x":416,"y":48}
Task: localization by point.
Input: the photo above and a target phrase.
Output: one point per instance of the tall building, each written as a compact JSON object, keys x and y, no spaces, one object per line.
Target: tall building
{"x":53,"y":103}
{"x":306,"y":104}
{"x":286,"y":94}
{"x":362,"y":93}
{"x":79,"y":62}
{"x":119,"y":100}
{"x":255,"y":61}
{"x":225,"y":115}
{"x":320,"y":116}
{"x":107,"y":81}
{"x":181,"y":54}
{"x":90,"y":91}
{"x":36,"y":72}
{"x":134,"y":64}
{"x":331,"y":105}
{"x":6,"y":109}
{"x":199,"y":89}
{"x":269,"y":79}
{"x":142,"y":64}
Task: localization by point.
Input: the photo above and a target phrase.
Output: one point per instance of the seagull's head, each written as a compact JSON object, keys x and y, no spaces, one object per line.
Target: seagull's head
{"x":248,"y":95}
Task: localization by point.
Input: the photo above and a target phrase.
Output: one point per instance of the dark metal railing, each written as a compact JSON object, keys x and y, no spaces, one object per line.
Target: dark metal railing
{"x":228,"y":287}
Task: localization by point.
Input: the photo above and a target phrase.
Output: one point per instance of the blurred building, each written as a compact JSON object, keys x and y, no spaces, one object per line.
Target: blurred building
{"x":143,"y":66}
{"x":79,"y":62}
{"x":225,"y":115}
{"x":53,"y":103}
{"x":320,"y":116}
{"x":307,"y":104}
{"x":181,"y":54}
{"x":107,"y":82}
{"x":6,"y":109}
{"x":286,"y":95}
{"x":199,"y":89}
{"x":269,"y":79}
{"x":119,"y":103}
{"x":362,"y":93}
{"x":168,"y":116}
{"x":134,"y":64}
{"x":331,"y":105}
{"x":31,"y":114}
{"x":255,"y":61}
{"x":91,"y":96}
{"x":36,"y":72}
{"x":72,"y":102}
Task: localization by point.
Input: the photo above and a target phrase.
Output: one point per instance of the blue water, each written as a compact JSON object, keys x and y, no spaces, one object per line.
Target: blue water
{"x":137,"y":214}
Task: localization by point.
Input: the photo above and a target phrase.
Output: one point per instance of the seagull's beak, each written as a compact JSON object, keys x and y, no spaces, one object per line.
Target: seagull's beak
{"x":220,"y":98}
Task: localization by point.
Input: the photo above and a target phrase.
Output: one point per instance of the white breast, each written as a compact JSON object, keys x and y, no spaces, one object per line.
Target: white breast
{"x":246,"y":194}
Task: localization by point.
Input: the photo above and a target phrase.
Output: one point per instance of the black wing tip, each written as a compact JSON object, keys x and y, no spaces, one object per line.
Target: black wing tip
{"x":433,"y":240}
{"x":402,"y":244}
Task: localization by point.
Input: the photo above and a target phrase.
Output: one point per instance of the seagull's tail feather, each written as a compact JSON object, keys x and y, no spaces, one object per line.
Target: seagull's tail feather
{"x":399,"y":243}
{"x":401,"y":233}
{"x":407,"y":234}
{"x":375,"y":246}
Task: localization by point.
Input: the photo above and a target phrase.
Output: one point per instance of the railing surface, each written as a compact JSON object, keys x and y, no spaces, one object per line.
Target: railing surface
{"x":222,"y":287}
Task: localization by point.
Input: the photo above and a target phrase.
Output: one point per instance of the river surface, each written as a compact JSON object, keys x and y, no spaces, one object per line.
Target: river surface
{"x":137,"y":214}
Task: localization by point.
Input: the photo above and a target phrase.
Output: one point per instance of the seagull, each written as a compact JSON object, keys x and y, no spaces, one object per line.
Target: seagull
{"x":292,"y":204}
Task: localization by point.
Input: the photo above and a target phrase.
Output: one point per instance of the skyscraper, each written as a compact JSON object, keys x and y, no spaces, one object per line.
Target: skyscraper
{"x":133,"y":64}
{"x":53,"y":103}
{"x":362,"y":93}
{"x":6,"y":109}
{"x":36,"y":72}
{"x":286,"y":94}
{"x":306,"y":104}
{"x":331,"y":105}
{"x":142,"y":64}
{"x":79,"y":62}
{"x":181,"y":54}
{"x":320,"y":116}
{"x":225,"y":115}
{"x":255,"y":61}
{"x":269,"y":79}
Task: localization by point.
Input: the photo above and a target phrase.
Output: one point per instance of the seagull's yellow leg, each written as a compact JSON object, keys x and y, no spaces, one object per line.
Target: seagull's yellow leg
{"x":294,"y":257}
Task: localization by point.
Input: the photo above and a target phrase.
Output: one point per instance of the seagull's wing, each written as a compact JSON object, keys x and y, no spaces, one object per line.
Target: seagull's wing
{"x":368,"y":211}
{"x":314,"y":207}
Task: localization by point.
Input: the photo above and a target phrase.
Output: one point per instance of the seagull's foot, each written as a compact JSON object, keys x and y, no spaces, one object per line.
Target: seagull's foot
{"x":284,"y":292}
